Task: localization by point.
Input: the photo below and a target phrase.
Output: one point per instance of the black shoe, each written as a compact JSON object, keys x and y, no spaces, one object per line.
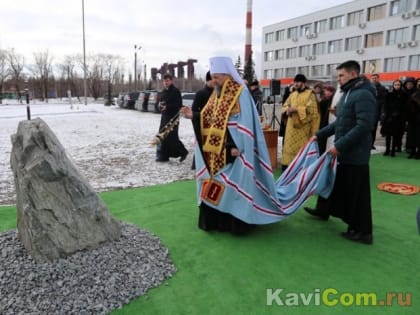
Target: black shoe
{"x":373,"y":147}
{"x":162,"y":160}
{"x":392,"y":154}
{"x":183,"y":157}
{"x":358,"y":237}
{"x":411,"y":156}
{"x":386,"y":153}
{"x":317,"y":213}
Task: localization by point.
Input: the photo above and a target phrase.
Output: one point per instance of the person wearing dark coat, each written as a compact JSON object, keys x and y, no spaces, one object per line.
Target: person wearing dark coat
{"x":414,"y":125}
{"x":200,"y":100}
{"x":170,"y":106}
{"x":380,"y":101}
{"x":393,"y":122}
{"x":350,"y":199}
{"x":324,"y":106}
{"x":257,"y":95}
{"x":410,"y":89}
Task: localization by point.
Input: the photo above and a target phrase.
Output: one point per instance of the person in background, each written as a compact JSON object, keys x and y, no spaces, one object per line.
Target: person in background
{"x":170,"y":105}
{"x":324,"y":111}
{"x":301,"y":108}
{"x":410,"y":89}
{"x":393,"y":122}
{"x":257,"y":95}
{"x":380,"y":101}
{"x":318,"y":90}
{"x":414,"y":125}
{"x":200,"y":100}
{"x":350,"y":199}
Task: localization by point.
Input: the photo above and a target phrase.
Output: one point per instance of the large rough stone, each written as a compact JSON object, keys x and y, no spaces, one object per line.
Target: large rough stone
{"x":58,"y":211}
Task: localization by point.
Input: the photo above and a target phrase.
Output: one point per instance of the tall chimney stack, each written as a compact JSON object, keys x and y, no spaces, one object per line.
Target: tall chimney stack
{"x":248,"y":35}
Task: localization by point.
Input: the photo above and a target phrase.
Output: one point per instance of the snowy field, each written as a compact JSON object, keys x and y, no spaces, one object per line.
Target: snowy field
{"x":110,"y":146}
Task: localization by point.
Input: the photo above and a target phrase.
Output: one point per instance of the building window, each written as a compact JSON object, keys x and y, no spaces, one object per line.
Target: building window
{"x":279,"y":54}
{"x":414,"y":63}
{"x":394,"y":64}
{"x":397,"y":36}
{"x":304,"y":50}
{"x":355,"y":18}
{"x":278,"y":73}
{"x":372,"y":66}
{"x":400,"y":6}
{"x":335,"y":46}
{"x":318,"y":71}
{"x":331,"y":69}
{"x":416,"y":32}
{"x":304,"y":70}
{"x":305,"y":30}
{"x":292,"y":32}
{"x":337,"y":22}
{"x":291,"y":53}
{"x":319,"y":49}
{"x":321,"y":26}
{"x":290,"y":72}
{"x":268,"y":74}
{"x":377,"y":12}
{"x":353,"y":43}
{"x":268,"y":56}
{"x":374,"y":40}
{"x":269,"y":37}
{"x":280,"y":35}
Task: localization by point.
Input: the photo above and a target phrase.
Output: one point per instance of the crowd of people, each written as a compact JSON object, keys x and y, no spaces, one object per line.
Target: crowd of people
{"x":400,"y":116}
{"x":343,"y":121}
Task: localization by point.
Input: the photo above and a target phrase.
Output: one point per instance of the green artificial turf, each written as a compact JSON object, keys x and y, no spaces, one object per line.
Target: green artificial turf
{"x":219,"y":273}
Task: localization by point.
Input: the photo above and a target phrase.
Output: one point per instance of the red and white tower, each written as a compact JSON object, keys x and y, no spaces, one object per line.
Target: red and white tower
{"x":248,"y":35}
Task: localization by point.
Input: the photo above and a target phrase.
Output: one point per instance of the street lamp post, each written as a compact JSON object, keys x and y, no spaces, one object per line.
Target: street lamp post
{"x":28,"y":109}
{"x":135,"y":66}
{"x":84,"y":51}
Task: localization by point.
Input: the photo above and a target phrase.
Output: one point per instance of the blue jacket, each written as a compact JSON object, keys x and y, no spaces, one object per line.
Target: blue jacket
{"x":355,"y":120}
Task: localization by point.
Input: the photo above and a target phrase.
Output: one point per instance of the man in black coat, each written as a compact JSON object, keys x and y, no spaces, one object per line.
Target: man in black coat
{"x":380,"y":102}
{"x":170,"y":105}
{"x":257,"y":95}
{"x":200,"y":100}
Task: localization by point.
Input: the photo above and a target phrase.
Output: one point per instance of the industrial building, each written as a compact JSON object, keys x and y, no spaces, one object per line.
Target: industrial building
{"x":383,"y":35}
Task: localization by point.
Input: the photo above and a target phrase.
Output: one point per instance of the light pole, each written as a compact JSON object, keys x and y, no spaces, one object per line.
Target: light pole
{"x":84,"y":51}
{"x":28,"y":108}
{"x":135,"y":66}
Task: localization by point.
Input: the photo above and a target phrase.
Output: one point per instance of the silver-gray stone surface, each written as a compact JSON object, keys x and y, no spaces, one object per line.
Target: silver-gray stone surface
{"x":88,"y":282}
{"x":58,"y":211}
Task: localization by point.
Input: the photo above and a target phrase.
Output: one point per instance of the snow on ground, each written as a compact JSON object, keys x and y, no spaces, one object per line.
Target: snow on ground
{"x":109,"y":145}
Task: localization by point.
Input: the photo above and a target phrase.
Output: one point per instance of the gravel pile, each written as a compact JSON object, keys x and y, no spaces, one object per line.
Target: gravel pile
{"x":88,"y":282}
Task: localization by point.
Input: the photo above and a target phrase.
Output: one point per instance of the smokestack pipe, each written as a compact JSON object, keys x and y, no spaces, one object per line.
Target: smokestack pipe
{"x":248,"y":35}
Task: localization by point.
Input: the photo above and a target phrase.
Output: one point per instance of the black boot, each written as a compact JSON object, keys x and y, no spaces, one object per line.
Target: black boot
{"x":317,"y":213}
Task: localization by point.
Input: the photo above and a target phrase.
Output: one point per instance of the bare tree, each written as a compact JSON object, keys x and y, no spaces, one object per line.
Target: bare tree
{"x":3,"y":72}
{"x":101,"y":70}
{"x":70,"y":75}
{"x":42,"y":70}
{"x":113,"y":66}
{"x":16,"y":64}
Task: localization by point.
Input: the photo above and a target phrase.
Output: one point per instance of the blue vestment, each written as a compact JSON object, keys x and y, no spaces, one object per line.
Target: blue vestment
{"x":248,"y":190}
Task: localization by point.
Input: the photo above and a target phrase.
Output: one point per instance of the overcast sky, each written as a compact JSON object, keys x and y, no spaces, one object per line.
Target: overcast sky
{"x":167,"y":31}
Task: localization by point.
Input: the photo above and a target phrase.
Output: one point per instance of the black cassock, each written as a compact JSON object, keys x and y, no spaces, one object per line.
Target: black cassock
{"x":171,"y":146}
